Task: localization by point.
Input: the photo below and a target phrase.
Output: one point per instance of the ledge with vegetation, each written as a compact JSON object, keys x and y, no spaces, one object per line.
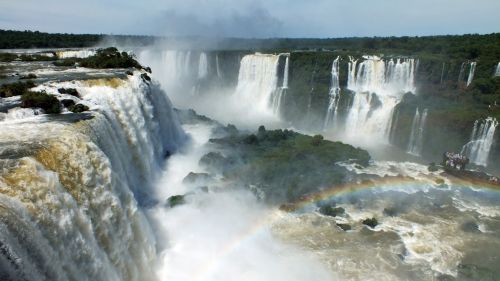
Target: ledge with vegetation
{"x":282,"y":164}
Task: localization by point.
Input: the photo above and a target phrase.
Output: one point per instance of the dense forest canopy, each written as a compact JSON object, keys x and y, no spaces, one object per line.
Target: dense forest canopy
{"x":470,"y":46}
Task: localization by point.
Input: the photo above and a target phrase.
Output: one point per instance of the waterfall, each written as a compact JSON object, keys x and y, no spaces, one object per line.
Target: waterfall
{"x":331,"y":114}
{"x":462,"y":72}
{"x":472,"y":70}
{"x":217,"y":65}
{"x":258,"y":82}
{"x":479,"y":146}
{"x":278,"y":95}
{"x":415,"y":145}
{"x":497,"y":72}
{"x":442,"y":73}
{"x":69,"y":191}
{"x":203,"y":66}
{"x":378,"y":87}
{"x":85,"y":53}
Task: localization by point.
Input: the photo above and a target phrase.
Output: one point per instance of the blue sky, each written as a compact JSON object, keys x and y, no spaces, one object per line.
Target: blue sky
{"x":254,"y":18}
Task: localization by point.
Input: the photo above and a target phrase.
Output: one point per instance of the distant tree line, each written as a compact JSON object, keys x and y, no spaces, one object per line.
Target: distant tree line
{"x":10,"y":39}
{"x":469,"y":46}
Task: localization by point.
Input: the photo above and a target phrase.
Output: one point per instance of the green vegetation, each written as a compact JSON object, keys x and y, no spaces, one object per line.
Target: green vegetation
{"x":104,"y":58}
{"x":10,"y":39}
{"x":283,"y":164}
{"x":49,"y":103}
{"x":7,"y":57}
{"x":69,"y":91}
{"x":66,"y":62}
{"x":78,"y":108}
{"x":331,"y":211}
{"x":15,"y":89}
{"x":372,"y":222}
{"x":175,"y":200}
{"x":29,"y":76}
{"x":36,"y":57}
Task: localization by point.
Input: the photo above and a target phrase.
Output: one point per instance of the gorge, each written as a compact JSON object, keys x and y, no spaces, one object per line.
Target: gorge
{"x":229,"y":164}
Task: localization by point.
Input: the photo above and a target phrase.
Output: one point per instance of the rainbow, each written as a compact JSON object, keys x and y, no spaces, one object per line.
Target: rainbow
{"x":387,"y":183}
{"x":261,"y":225}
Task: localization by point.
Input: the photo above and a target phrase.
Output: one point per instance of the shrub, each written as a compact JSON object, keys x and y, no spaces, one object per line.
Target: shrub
{"x":78,"y":108}
{"x":7,"y":57}
{"x":370,"y":222}
{"x":331,"y":211}
{"x":175,"y":200}
{"x":69,"y":91}
{"x":29,"y":76}
{"x":67,"y":102}
{"x":316,"y":140}
{"x":48,"y":103}
{"x":110,"y":58}
{"x":15,"y":89}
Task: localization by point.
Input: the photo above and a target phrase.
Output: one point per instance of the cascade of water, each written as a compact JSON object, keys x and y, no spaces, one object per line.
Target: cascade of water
{"x":72,"y":189}
{"x":461,"y":75}
{"x":278,"y":95}
{"x":217,"y":65}
{"x":472,"y":70}
{"x":258,"y":81}
{"x":203,"y":66}
{"x":331,"y":114}
{"x":75,"y":53}
{"x":415,"y":145}
{"x":479,"y":146}
{"x":442,"y":73}
{"x":378,"y":86}
{"x":497,"y":72}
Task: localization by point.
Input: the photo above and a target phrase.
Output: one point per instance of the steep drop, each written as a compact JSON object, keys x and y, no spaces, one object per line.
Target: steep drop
{"x":478,"y":149}
{"x":378,"y":87}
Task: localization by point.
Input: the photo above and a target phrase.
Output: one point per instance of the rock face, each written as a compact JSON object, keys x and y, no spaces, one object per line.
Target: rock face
{"x":198,"y":178}
{"x":344,"y":227}
{"x":214,"y":161}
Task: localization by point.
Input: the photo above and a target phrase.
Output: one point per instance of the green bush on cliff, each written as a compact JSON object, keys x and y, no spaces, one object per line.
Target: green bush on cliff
{"x":104,"y":58}
{"x":110,"y":58}
{"x":15,"y":89}
{"x":50,"y":104}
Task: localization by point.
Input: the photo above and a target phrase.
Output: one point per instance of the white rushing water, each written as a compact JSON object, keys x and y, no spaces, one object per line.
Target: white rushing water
{"x":378,"y":85}
{"x":279,"y":94}
{"x":258,"y":83}
{"x":472,"y":71}
{"x":481,"y":141}
{"x":415,"y":145}
{"x":69,"y":191}
{"x":221,"y":234}
{"x":461,"y":74}
{"x":84,"y":53}
{"x":217,"y":66}
{"x":334,"y":94}
{"x":497,"y":71}
{"x":203,"y":66}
